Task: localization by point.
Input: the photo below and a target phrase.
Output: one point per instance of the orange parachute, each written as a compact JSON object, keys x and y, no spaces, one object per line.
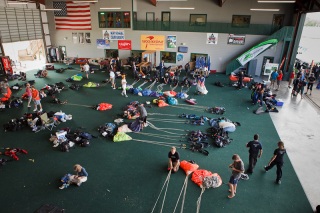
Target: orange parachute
{"x":188,"y":167}
{"x":104,"y":106}
{"x":162,"y":103}
{"x":235,"y":78}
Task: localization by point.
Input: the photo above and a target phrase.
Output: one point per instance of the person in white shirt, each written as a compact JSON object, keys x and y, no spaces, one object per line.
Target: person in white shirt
{"x":86,"y":69}
{"x":112,"y":79}
{"x":124,"y":86}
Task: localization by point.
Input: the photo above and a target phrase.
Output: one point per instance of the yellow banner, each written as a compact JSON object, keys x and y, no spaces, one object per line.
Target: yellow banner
{"x":152,"y":42}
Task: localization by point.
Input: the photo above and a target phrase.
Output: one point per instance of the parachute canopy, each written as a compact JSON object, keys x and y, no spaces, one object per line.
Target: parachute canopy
{"x":188,"y":167}
{"x":206,"y":179}
{"x":121,"y":136}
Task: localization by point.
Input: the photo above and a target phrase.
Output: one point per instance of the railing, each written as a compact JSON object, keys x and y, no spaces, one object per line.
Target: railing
{"x":182,"y":26}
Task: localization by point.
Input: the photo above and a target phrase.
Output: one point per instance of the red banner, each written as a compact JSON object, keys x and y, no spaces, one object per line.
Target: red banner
{"x":124,"y":44}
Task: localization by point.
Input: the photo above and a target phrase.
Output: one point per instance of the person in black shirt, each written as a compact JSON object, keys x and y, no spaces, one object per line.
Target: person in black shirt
{"x":240,"y":79}
{"x":311,"y":81}
{"x":174,"y":160}
{"x":255,"y":152}
{"x":277,"y":160}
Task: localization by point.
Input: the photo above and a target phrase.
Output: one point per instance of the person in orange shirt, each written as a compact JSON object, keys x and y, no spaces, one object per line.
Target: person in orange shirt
{"x":279,"y":79}
{"x":36,"y":99}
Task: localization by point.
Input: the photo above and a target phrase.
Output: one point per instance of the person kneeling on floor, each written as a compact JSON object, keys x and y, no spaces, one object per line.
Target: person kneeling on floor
{"x":78,"y":179}
{"x":174,"y":160}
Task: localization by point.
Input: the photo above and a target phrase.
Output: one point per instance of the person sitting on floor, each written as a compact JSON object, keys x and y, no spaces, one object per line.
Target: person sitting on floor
{"x":78,"y":179}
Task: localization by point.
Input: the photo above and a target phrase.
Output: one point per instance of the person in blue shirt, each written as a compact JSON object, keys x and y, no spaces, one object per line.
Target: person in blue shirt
{"x":80,"y":177}
{"x":273,"y":78}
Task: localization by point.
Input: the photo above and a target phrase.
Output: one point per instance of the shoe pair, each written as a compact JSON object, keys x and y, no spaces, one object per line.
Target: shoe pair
{"x":265,"y":168}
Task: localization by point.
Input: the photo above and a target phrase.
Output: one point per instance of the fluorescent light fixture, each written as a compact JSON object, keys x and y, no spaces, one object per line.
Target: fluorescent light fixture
{"x":266,"y":1}
{"x":265,"y":10}
{"x":17,"y":2}
{"x":110,"y":8}
{"x":48,"y":9}
{"x":181,"y":8}
{"x":172,"y":0}
{"x":85,"y":1}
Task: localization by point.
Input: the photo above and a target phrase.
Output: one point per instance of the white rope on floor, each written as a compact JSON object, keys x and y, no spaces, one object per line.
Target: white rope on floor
{"x":158,"y":143}
{"x":77,"y":105}
{"x":184,"y":188}
{"x":196,"y":106}
{"x":160,"y":87}
{"x":162,"y":129}
{"x":141,"y":85}
{"x":187,"y":108}
{"x":158,"y":135}
{"x":166,"y":183}
{"x":162,"y":114}
{"x":168,"y":120}
{"x":151,"y":85}
{"x":199,"y":199}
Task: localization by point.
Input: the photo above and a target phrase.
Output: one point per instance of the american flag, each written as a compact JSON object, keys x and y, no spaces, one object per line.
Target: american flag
{"x":72,"y":16}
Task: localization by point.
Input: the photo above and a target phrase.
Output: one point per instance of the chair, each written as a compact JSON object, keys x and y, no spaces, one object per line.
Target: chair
{"x":47,"y":122}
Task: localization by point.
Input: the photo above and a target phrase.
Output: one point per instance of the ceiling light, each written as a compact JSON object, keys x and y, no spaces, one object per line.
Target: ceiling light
{"x":181,"y":8}
{"x":85,"y":1}
{"x":51,"y":9}
{"x":276,"y":1}
{"x":265,"y":10}
{"x":110,"y":8}
{"x":172,"y":0}
{"x":17,"y":2}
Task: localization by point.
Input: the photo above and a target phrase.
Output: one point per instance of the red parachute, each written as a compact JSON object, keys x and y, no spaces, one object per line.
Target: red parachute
{"x":188,"y":167}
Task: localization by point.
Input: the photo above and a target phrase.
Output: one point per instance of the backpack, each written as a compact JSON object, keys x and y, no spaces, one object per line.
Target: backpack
{"x":85,"y":135}
{"x":84,"y":143}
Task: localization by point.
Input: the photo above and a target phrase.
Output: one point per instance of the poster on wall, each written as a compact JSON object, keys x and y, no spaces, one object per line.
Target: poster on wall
{"x":236,"y":39}
{"x":81,"y":38}
{"x":124,"y":44}
{"x":180,"y":57}
{"x":171,"y":41}
{"x":152,"y":42}
{"x":87,"y":38}
{"x":103,"y":44}
{"x":269,"y":68}
{"x":212,"y":38}
{"x":75,"y":38}
{"x":113,"y":34}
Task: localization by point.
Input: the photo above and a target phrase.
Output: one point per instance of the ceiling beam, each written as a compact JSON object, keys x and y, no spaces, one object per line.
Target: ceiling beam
{"x":154,"y":2}
{"x":221,"y":2}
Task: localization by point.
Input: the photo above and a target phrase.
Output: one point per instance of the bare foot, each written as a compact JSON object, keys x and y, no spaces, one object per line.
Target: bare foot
{"x":230,"y":196}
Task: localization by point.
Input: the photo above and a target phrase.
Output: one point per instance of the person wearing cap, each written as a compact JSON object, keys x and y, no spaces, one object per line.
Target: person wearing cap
{"x":311,"y":81}
{"x":174,"y":160}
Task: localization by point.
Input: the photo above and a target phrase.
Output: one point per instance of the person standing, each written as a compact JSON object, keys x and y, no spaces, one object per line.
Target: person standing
{"x":291,"y":77}
{"x":240,"y":80}
{"x":118,"y":64}
{"x":143,"y":115}
{"x":237,"y":169}
{"x":112,"y":79}
{"x":124,"y":86}
{"x":86,"y":69}
{"x":29,"y":94}
{"x":311,"y":81}
{"x":161,"y":68}
{"x":273,"y":78}
{"x":134,"y":70}
{"x":277,"y":160}
{"x":255,"y":152}
{"x":174,"y":160}
{"x":279,"y":79}
{"x":36,"y":99}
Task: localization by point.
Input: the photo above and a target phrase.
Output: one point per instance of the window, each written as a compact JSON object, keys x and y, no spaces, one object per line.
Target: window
{"x":240,"y":21}
{"x":195,"y":56}
{"x":114,"y":19}
{"x":198,"y":19}
{"x":112,"y":53}
{"x":168,"y":57}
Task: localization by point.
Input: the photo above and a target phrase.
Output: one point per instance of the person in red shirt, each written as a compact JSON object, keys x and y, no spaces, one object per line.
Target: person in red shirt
{"x":36,"y":99}
{"x":279,"y":79}
{"x":291,"y":79}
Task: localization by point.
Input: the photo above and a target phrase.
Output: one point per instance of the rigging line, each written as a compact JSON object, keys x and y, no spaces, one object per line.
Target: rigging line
{"x":183,"y":186}
{"x":77,"y":105}
{"x":197,"y":106}
{"x":161,"y":114}
{"x":168,"y":177}
{"x":165,"y":194}
{"x":157,"y":142}
{"x":161,"y":129}
{"x":199,"y":200}
{"x":168,"y":136}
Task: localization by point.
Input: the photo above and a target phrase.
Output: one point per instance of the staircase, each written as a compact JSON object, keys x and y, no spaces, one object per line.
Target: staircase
{"x":285,"y":33}
{"x":31,"y":52}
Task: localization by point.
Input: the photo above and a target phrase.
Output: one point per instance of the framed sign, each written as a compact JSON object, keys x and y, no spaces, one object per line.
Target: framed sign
{"x":236,"y":39}
{"x":240,"y":20}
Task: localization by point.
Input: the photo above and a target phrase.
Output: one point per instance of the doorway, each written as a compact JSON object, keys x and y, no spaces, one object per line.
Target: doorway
{"x":165,"y":19}
{"x":150,"y":20}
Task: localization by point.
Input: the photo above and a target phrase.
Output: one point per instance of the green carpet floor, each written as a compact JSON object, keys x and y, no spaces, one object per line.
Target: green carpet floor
{"x":128,"y":176}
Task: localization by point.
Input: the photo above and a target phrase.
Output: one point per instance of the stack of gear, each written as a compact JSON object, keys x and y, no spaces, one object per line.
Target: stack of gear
{"x":108,"y":130}
{"x":91,"y":84}
{"x":130,"y":111}
{"x":15,"y":124}
{"x":61,"y":116}
{"x":65,"y":139}
{"x":194,"y":119}
{"x":216,"y":110}
{"x":75,"y":86}
{"x":54,"y":88}
{"x":77,"y":77}
{"x":16,"y":87}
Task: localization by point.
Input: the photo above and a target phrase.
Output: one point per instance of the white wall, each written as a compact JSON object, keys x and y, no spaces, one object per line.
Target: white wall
{"x":220,"y":54}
